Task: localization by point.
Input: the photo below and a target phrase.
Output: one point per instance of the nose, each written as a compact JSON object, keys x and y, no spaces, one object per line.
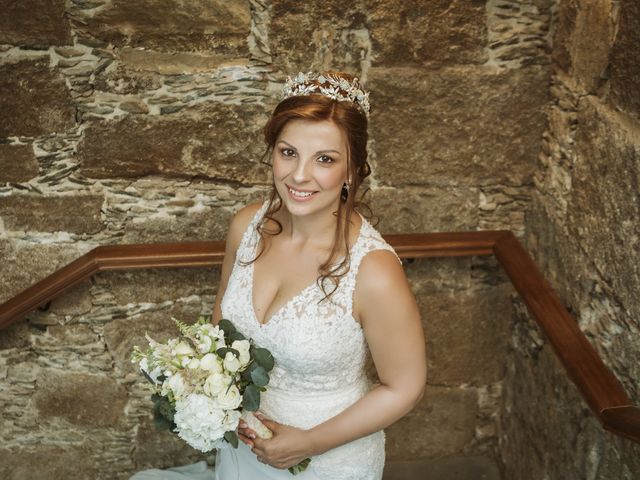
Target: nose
{"x":301,"y":172}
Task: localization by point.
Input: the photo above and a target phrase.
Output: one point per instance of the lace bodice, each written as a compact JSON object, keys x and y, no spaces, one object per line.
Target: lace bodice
{"x":319,"y":348}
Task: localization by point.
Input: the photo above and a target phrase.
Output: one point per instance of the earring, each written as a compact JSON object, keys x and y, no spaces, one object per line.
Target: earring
{"x":347,"y":186}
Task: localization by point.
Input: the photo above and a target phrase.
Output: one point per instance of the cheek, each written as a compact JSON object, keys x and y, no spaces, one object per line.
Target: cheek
{"x":279,"y":168}
{"x":331,"y":178}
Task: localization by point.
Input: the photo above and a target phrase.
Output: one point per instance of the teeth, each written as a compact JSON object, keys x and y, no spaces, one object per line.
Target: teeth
{"x":295,"y":193}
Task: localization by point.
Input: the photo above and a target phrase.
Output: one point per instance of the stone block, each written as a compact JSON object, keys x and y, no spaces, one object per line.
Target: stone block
{"x":441,"y":425}
{"x":467,"y":334}
{"x":73,"y":335}
{"x":328,"y":35}
{"x":170,"y":25}
{"x":427,"y":275}
{"x":75,"y":301}
{"x":158,"y":285}
{"x":604,"y":202}
{"x":149,"y":441}
{"x":218,"y":141}
{"x":36,"y":24}
{"x":34,"y":100}
{"x":210,"y":224}
{"x":52,"y":462}
{"x":583,"y":41}
{"x":121,"y":79}
{"x":17,"y":163}
{"x":122,"y":335}
{"x":173,"y":63}
{"x":15,"y":336}
{"x":74,"y":214}
{"x":475,"y":127}
{"x":80,"y":398}
{"x":24,"y":264}
{"x":434,"y":33}
{"x":624,"y":67}
{"x":426,"y":209}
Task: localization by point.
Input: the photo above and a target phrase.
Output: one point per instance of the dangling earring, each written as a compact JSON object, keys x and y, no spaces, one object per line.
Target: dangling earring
{"x":346,"y":187}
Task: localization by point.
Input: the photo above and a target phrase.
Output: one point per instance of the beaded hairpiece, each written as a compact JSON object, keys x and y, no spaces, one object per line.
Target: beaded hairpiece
{"x":331,"y":86}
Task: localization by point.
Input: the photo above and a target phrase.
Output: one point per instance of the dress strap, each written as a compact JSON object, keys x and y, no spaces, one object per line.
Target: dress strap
{"x":249,"y":241}
{"x":369,"y":240}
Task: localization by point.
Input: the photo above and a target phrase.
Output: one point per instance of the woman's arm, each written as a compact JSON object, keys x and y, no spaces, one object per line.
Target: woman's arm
{"x":389,"y":315}
{"x":239,"y":223}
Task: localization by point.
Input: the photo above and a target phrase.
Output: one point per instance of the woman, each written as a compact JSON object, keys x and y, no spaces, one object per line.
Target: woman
{"x":306,"y":276}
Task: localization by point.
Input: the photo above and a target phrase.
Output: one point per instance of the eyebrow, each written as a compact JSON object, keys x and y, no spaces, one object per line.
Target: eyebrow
{"x":319,"y":151}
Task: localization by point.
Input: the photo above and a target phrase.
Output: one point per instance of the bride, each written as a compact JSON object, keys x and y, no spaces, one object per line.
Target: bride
{"x":306,"y":276}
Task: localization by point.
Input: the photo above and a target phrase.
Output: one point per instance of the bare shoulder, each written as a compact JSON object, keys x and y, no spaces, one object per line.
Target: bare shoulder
{"x":380,"y":284}
{"x":239,"y":223}
{"x":379,"y":271}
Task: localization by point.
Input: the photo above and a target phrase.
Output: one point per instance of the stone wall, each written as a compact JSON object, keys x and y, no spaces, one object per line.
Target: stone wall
{"x":583,"y":230}
{"x":139,"y":121}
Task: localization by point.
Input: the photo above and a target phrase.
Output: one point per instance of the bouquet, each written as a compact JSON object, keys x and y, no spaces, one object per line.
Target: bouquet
{"x":205,"y":381}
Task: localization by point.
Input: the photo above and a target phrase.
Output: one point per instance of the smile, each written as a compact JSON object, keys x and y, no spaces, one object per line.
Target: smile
{"x":298,"y":193}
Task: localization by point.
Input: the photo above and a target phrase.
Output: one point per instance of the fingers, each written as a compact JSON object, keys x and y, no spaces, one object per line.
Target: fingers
{"x":246,"y":440}
{"x":270,"y":424}
{"x":247,"y":432}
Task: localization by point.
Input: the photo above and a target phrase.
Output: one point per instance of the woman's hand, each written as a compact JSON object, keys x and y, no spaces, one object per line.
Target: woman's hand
{"x":288,"y":446}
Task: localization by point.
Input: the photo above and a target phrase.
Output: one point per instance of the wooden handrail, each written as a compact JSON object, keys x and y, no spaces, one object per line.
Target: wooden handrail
{"x":598,"y":385}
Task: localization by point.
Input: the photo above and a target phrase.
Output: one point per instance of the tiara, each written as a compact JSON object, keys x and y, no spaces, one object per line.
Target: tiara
{"x":331,"y":86}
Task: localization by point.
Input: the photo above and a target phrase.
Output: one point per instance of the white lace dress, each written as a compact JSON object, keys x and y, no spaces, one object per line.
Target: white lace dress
{"x":320,"y":354}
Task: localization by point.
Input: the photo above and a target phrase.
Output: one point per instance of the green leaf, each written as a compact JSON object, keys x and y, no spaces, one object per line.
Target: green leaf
{"x":146,"y":375}
{"x":161,"y":423}
{"x":264,"y":358}
{"x":227,"y":327}
{"x":163,"y":412}
{"x":251,"y":398}
{"x":246,"y":373}
{"x":233,"y":336}
{"x":166,"y":410}
{"x":299,"y":468}
{"x":259,"y":376}
{"x":232,"y":438}
{"x":222,"y":352}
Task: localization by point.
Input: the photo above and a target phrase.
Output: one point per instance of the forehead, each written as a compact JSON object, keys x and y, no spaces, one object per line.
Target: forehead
{"x":320,"y":135}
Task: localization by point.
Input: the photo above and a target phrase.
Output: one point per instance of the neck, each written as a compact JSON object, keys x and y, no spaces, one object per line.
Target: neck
{"x":316,"y":230}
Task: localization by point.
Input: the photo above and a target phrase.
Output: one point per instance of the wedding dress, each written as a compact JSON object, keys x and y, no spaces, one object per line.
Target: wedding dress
{"x":320,"y":353}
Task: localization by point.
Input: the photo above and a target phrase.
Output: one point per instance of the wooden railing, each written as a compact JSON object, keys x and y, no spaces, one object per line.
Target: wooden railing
{"x":598,"y":385}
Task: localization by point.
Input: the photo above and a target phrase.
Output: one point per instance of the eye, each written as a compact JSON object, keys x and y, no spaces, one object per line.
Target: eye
{"x":287,"y":152}
{"x":325,"y":159}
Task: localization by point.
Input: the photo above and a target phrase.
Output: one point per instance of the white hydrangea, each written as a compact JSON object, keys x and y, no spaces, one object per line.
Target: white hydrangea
{"x":201,"y":422}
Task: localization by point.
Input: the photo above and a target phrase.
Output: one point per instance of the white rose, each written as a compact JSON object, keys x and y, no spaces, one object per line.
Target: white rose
{"x":193,"y":363}
{"x":211,"y":363}
{"x":243,"y":346}
{"x":204,"y":344}
{"x":182,"y":348}
{"x":231,"y":362}
{"x":216,"y":383}
{"x":220,"y":343}
{"x":229,"y":398}
{"x":176,"y":384}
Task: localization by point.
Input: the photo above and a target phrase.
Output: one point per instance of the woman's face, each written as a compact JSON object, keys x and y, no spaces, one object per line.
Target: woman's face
{"x":310,"y":166}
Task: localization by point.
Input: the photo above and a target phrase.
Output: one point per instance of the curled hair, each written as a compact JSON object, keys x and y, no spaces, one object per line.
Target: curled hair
{"x":353,"y":122}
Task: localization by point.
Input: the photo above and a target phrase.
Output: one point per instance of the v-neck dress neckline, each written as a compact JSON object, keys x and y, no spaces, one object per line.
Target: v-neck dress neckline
{"x":302,"y":292}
